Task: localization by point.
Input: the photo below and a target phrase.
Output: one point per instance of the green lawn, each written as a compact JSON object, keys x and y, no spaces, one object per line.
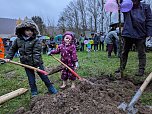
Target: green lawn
{"x":13,"y":77}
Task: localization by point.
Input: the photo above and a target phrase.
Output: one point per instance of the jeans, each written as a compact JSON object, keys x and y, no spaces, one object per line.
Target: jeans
{"x":32,"y":82}
{"x":95,"y":47}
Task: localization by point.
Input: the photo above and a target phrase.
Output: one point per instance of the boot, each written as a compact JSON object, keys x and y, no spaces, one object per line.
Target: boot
{"x":52,"y":89}
{"x":140,"y":72}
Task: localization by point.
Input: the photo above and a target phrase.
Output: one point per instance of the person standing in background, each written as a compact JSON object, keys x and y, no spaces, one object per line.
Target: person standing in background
{"x":137,"y":27}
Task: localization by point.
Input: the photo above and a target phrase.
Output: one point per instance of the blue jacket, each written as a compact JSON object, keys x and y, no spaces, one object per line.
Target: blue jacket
{"x":138,"y":22}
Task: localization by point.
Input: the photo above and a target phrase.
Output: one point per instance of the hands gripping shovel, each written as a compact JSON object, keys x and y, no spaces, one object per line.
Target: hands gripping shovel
{"x":130,"y":107}
{"x":72,"y":71}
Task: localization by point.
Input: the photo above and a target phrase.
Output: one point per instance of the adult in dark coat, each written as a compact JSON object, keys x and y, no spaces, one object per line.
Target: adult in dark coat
{"x":137,"y":26}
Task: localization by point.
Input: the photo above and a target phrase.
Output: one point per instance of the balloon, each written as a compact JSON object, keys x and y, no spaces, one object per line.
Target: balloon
{"x":91,"y":42}
{"x":126,"y":5}
{"x":86,"y":41}
{"x":111,"y":6}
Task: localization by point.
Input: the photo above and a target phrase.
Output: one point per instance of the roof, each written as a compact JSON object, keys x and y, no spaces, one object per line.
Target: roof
{"x":7,"y":26}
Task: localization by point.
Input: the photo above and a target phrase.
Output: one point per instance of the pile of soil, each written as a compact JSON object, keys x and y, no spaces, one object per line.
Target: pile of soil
{"x":103,"y":97}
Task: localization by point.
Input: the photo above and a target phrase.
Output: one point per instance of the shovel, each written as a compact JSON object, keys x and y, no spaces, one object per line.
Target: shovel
{"x":129,"y":108}
{"x":27,"y":66}
{"x":72,"y":71}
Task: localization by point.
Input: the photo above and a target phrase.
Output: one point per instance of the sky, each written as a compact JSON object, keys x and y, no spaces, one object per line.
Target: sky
{"x":47,"y":9}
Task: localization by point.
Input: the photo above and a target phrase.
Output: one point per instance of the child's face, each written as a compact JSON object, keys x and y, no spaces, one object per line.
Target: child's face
{"x":67,"y":39}
{"x":28,"y":33}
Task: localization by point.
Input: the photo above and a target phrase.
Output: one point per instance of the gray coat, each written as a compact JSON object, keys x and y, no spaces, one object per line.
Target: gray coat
{"x":111,"y":37}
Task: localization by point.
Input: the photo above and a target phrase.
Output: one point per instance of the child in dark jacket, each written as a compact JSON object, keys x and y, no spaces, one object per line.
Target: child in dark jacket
{"x":30,"y":54}
{"x":68,"y":56}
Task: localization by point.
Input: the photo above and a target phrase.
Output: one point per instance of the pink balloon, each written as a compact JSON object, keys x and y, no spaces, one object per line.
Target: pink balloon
{"x":111,"y":6}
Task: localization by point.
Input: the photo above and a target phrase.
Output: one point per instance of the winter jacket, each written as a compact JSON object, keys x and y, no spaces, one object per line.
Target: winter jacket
{"x":102,"y":38}
{"x":96,"y":39}
{"x":111,"y":37}
{"x":138,"y":22}
{"x":1,"y":48}
{"x":82,"y":39}
{"x":29,"y":49}
{"x":68,"y":54}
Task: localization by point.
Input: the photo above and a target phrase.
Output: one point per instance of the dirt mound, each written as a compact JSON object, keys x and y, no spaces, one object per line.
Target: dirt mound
{"x":101,"y":98}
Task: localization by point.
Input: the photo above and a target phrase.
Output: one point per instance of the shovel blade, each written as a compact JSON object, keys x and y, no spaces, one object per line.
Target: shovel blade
{"x":87,"y":81}
{"x":132,"y":110}
{"x":123,"y":106}
{"x":129,"y":109}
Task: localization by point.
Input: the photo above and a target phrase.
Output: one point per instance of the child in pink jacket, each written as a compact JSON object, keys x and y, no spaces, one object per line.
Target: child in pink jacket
{"x":68,"y":56}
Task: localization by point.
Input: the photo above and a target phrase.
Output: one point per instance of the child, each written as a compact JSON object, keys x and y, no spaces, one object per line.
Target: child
{"x":68,"y":56}
{"x":30,"y":53}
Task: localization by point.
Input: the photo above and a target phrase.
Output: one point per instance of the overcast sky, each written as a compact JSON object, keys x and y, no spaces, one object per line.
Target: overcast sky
{"x":21,"y":8}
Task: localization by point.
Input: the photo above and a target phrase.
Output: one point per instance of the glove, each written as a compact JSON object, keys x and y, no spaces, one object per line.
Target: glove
{"x":76,"y":65}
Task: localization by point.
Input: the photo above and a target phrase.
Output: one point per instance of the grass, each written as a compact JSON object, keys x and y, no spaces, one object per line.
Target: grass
{"x":13,"y":77}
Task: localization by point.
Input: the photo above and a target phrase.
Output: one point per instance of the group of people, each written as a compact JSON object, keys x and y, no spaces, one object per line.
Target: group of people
{"x":48,"y":45}
{"x":137,"y":26}
{"x":96,"y":40}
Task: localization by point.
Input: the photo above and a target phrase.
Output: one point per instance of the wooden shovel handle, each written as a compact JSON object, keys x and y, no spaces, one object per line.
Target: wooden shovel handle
{"x":146,"y":82}
{"x":72,"y":71}
{"x":27,"y":66}
{"x":30,"y":67}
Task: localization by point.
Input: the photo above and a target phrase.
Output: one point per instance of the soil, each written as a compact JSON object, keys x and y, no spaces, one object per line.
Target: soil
{"x":103,"y":97}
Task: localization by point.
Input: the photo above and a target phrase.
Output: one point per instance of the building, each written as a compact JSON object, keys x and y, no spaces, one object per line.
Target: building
{"x":7,"y":27}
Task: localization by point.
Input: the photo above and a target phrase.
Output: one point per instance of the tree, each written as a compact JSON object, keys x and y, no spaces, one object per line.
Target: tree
{"x":42,"y":28}
{"x":82,"y":9}
{"x":92,"y":9}
{"x":61,"y":23}
{"x":19,"y":21}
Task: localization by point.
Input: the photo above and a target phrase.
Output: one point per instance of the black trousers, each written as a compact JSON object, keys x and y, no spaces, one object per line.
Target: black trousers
{"x":140,"y":44}
{"x":101,"y":44}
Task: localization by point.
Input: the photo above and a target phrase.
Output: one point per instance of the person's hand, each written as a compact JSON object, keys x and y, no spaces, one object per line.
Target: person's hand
{"x":148,"y":37}
{"x":76,"y":65}
{"x":6,"y":60}
{"x":49,"y":53}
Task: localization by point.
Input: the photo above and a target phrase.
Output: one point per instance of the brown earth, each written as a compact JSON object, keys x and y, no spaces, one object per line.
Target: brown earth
{"x":101,"y":98}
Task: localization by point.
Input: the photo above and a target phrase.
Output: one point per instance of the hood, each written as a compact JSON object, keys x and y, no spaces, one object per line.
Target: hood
{"x":27,"y":24}
{"x":69,"y":33}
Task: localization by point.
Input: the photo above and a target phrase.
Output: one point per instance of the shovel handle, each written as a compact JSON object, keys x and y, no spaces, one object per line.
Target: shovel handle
{"x":27,"y":66}
{"x":140,"y":90}
{"x":72,"y":71}
{"x":146,"y":82}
